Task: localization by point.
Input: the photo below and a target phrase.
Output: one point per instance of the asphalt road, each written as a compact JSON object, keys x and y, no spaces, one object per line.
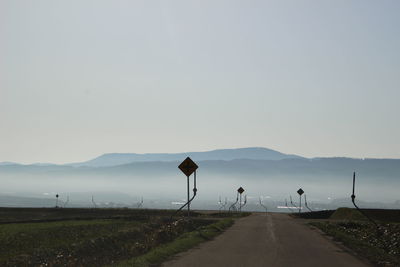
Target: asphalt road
{"x":267,"y":240}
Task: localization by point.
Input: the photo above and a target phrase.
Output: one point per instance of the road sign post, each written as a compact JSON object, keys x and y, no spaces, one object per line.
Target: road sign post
{"x":300,"y":192}
{"x":353,"y":197}
{"x":188,"y":196}
{"x":188,"y":167}
{"x":240,"y":190}
{"x":240,"y":203}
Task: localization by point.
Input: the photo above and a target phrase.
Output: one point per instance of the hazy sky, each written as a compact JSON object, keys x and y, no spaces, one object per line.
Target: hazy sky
{"x":81,"y":78}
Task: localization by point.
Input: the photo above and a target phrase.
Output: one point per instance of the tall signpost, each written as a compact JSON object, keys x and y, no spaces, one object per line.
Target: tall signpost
{"x":300,"y":192}
{"x":353,"y":197}
{"x":240,"y":191}
{"x":188,"y":167}
{"x":57,"y":201}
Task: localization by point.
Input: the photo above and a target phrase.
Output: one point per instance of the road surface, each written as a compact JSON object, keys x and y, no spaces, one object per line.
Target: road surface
{"x":267,"y":240}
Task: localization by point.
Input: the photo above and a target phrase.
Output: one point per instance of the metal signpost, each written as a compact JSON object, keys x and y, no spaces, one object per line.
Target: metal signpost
{"x":300,"y":192}
{"x":188,"y":167}
{"x":57,"y":201}
{"x":240,"y":191}
{"x":353,"y":197}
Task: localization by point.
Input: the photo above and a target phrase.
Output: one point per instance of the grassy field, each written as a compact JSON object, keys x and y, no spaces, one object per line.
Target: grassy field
{"x":381,"y":246}
{"x":98,"y":237}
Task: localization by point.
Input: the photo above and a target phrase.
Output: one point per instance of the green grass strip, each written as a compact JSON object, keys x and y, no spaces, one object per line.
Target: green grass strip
{"x":184,"y":242}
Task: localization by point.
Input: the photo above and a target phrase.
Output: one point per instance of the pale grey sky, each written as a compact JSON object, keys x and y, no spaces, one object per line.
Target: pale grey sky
{"x":81,"y":78}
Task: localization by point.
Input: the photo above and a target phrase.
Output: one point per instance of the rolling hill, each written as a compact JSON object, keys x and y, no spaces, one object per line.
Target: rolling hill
{"x":254,"y":153}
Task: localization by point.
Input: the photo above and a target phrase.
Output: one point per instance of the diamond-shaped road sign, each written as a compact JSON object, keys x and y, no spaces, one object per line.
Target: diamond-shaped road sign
{"x":300,"y":191}
{"x":188,"y":166}
{"x":240,"y":190}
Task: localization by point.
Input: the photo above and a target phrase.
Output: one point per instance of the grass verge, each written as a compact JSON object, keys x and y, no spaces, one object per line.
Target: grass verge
{"x":186,"y":241}
{"x":381,"y":249}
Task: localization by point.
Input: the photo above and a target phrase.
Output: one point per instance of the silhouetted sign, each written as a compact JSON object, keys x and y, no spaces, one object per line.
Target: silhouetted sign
{"x":188,"y":166}
{"x":240,"y":190}
{"x":300,"y":191}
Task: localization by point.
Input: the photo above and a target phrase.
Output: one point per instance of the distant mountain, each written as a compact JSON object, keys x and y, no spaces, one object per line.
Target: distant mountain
{"x":320,"y":169}
{"x":252,"y":153}
{"x":311,"y":169}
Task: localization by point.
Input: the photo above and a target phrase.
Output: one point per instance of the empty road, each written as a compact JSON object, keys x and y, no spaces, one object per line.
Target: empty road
{"x":267,"y":240}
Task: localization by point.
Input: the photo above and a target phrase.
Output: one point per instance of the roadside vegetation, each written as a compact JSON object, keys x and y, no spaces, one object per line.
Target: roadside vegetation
{"x":381,"y":248}
{"x":348,"y":226}
{"x":182,"y":243}
{"x":100,"y":237}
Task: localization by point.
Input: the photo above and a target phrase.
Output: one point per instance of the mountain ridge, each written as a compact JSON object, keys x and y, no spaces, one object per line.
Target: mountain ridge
{"x":229,"y":154}
{"x":256,"y":153}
